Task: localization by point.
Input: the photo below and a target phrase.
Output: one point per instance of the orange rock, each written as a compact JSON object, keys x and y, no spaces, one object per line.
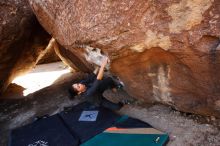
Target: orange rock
{"x":22,"y":39}
{"x":165,"y":52}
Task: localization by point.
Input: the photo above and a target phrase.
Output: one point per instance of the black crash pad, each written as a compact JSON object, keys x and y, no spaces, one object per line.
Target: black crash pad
{"x":88,"y":129}
{"x":48,"y":131}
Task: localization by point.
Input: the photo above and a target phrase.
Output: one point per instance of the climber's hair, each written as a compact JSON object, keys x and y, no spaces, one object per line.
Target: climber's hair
{"x":72,"y":92}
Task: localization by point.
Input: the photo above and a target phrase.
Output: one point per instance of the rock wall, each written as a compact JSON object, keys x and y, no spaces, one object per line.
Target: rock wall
{"x":22,"y":39}
{"x":49,"y":57}
{"x":164,"y":51}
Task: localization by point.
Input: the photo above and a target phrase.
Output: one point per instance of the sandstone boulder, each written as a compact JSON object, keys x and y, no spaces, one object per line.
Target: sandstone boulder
{"x":49,"y":57}
{"x":22,"y":39}
{"x":164,"y":51}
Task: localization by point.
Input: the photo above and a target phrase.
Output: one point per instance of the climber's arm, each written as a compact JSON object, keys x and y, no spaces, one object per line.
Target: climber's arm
{"x":101,"y":70}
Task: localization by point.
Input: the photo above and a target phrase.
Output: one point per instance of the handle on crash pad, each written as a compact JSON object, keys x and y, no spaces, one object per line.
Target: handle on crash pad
{"x":37,"y":118}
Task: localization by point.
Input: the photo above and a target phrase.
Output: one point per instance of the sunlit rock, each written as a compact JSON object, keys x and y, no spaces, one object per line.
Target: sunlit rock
{"x":22,"y":40}
{"x":164,"y":51}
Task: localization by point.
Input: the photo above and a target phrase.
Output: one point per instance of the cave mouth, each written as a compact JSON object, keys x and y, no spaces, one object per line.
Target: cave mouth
{"x":43,"y":75}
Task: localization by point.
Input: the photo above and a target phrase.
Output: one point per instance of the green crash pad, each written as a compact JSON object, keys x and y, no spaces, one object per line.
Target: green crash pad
{"x":109,"y":139}
{"x":129,"y":132}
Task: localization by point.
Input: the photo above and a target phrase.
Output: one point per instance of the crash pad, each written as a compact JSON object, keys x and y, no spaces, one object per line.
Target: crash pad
{"x":129,"y":132}
{"x":86,"y":120}
{"x":48,"y":131}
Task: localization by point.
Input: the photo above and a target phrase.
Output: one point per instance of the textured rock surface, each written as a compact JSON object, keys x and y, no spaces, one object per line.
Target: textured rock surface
{"x":49,"y":57}
{"x":22,"y":39}
{"x":164,"y":51}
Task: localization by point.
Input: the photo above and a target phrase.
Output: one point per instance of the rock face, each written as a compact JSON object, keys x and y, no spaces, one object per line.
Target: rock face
{"x":49,"y":54}
{"x":22,"y":39}
{"x":164,"y":51}
{"x":49,"y":57}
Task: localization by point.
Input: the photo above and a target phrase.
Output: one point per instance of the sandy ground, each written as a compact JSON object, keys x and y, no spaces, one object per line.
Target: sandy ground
{"x":183,"y":129}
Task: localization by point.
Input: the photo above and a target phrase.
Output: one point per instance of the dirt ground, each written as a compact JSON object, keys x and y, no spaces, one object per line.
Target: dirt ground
{"x":183,"y":129}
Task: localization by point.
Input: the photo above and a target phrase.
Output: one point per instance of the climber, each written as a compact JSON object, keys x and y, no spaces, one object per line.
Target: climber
{"x":93,"y":87}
